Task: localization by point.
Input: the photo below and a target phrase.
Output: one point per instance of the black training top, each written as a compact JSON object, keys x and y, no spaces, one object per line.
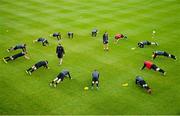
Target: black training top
{"x":95,"y":74}
{"x":41,"y":63}
{"x":105,"y":37}
{"x":18,"y":55}
{"x":159,"y":52}
{"x":60,"y":50}
{"x":55,"y":34}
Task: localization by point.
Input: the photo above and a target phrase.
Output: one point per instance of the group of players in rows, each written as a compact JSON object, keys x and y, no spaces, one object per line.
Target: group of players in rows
{"x":95,"y":74}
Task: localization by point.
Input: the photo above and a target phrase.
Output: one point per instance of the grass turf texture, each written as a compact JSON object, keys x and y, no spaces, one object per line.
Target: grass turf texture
{"x":28,"y":20}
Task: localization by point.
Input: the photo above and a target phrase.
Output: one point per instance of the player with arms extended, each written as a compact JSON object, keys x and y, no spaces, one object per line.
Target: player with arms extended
{"x":140,"y":81}
{"x":150,"y":65}
{"x":42,"y":40}
{"x":36,"y":66}
{"x":60,"y":77}
{"x":14,"y":57}
{"x":16,"y":47}
{"x":143,"y":43}
{"x":118,"y":36}
{"x":163,"y":53}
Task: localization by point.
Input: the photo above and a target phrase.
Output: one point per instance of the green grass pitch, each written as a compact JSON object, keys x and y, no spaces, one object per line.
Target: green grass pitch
{"x":22,"y":21}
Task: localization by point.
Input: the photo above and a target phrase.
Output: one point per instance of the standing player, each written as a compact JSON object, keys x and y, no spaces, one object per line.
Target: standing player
{"x":105,"y":41}
{"x":14,"y":57}
{"x":150,"y":65}
{"x":95,"y":78}
{"x":143,"y":43}
{"x":139,"y":81}
{"x":36,"y":66}
{"x":42,"y":40}
{"x":94,"y":32}
{"x":57,"y":35}
{"x":119,"y":36}
{"x":163,"y":53}
{"x":70,"y":34}
{"x":60,"y":53}
{"x":60,"y":77}
{"x":20,"y":46}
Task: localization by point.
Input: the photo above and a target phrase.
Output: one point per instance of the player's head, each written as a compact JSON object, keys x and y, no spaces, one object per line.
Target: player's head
{"x":46,"y":61}
{"x":24,"y":44}
{"x":141,"y":45}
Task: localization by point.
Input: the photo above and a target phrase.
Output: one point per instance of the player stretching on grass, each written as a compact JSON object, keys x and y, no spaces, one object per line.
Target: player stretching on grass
{"x":70,"y":34}
{"x":143,"y":43}
{"x":20,"y":46}
{"x":119,"y":36}
{"x":14,"y":57}
{"x":94,"y":32}
{"x":95,"y":78}
{"x":42,"y":40}
{"x":150,"y":65}
{"x":139,"y":81}
{"x":105,"y":41}
{"x":60,"y":53}
{"x":57,"y":35}
{"x":163,"y":53}
{"x":36,"y":66}
{"x":60,"y":77}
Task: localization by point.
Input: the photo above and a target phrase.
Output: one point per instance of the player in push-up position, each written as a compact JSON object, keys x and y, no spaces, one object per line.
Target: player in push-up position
{"x":14,"y":57}
{"x":140,"y":81}
{"x":57,"y":35}
{"x":42,"y":40}
{"x":36,"y":66}
{"x":60,"y":77}
{"x":150,"y":65}
{"x":16,"y":47}
{"x":95,"y":78}
{"x":143,"y":43}
{"x":163,"y":53}
{"x":117,"y":37}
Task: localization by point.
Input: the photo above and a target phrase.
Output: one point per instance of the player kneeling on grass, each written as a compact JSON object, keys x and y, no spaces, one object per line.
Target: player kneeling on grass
{"x":70,"y":34}
{"x":143,"y":43}
{"x":94,"y":32}
{"x":20,"y":46}
{"x":42,"y":40}
{"x":163,"y":53}
{"x":95,"y":78}
{"x":14,"y":57}
{"x":36,"y":66}
{"x":150,"y":65}
{"x":119,"y":36}
{"x":139,"y":81}
{"x":60,"y":77}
